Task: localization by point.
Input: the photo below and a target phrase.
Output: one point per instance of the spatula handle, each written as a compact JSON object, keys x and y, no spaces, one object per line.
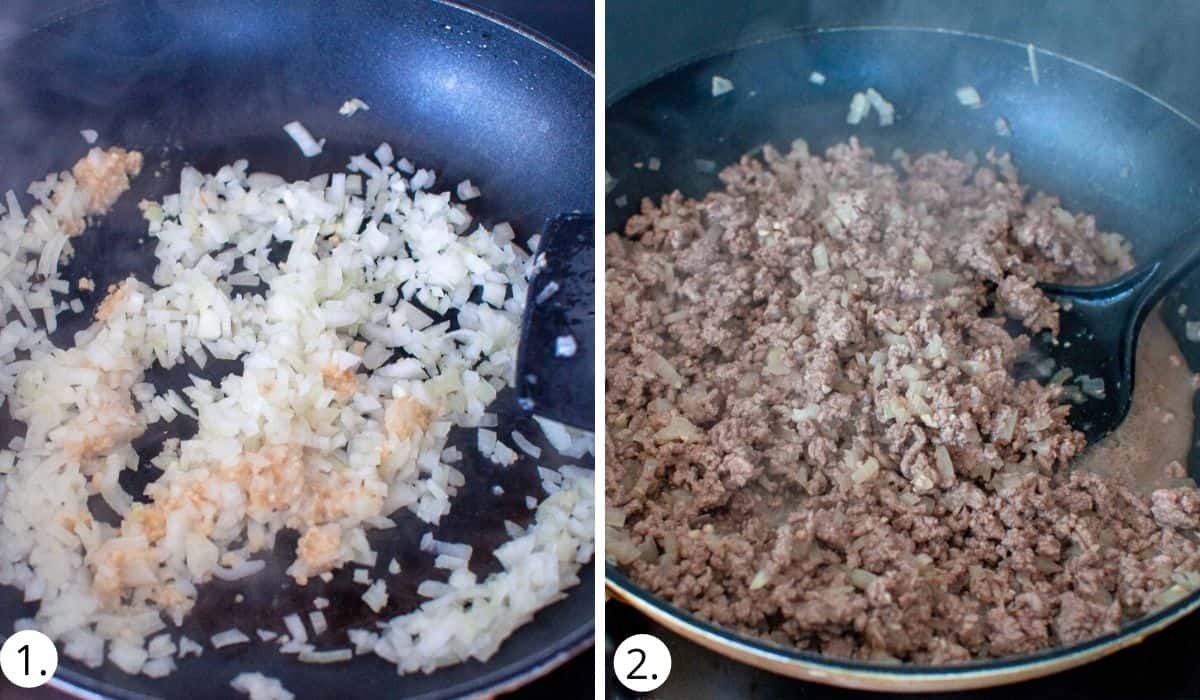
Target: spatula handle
{"x":1170,"y":267}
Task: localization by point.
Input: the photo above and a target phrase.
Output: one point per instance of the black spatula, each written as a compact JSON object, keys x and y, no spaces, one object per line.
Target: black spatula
{"x":555,"y":360}
{"x":1098,"y":331}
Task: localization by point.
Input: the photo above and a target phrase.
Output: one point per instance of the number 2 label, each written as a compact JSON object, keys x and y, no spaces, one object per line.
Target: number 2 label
{"x":642,"y":663}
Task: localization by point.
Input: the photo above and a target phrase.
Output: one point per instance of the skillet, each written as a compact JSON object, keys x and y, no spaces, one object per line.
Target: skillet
{"x":1101,"y":144}
{"x":206,"y":83}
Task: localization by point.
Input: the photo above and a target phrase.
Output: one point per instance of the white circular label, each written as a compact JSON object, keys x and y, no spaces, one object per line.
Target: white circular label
{"x":28,"y":659}
{"x":642,"y":663}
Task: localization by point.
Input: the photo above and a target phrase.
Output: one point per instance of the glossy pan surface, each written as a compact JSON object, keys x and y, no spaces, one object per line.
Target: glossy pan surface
{"x":207,"y":82}
{"x":1101,"y":144}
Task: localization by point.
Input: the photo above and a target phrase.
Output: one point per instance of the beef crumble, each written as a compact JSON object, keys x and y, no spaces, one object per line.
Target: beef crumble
{"x":813,"y":433}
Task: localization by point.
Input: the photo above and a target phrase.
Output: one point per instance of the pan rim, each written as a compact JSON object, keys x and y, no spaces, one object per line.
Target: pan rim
{"x":86,"y":6}
{"x":850,"y":673}
{"x":77,"y":684}
{"x":862,"y":675}
{"x":798,"y":32}
{"x":527,"y":32}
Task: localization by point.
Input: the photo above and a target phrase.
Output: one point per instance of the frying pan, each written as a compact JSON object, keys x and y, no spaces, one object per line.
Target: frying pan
{"x":1103,"y":145}
{"x":206,"y":83}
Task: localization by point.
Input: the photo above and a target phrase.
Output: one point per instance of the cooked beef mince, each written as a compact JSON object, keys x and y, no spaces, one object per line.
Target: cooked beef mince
{"x":814,"y":433}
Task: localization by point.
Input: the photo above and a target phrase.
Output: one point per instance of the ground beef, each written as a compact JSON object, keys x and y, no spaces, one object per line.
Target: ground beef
{"x":813,"y":432}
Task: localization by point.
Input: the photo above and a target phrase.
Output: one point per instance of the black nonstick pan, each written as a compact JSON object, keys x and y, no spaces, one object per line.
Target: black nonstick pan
{"x":1102,"y":144}
{"x":204,"y":83}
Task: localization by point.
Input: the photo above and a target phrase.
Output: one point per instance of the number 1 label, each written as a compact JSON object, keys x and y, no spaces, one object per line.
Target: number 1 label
{"x":28,"y":659}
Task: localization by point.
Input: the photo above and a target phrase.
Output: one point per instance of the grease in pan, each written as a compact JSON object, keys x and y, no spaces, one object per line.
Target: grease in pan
{"x":816,"y":437}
